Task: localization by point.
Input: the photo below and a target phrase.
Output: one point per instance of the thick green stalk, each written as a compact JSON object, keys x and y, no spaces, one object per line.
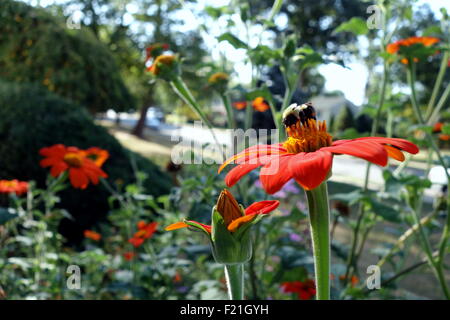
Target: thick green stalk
{"x":319,"y":217}
{"x":234,"y":275}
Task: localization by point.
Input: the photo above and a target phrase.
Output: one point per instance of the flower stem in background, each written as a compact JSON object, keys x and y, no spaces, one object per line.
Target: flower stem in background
{"x":229,"y":110}
{"x":319,"y":217}
{"x":352,"y":260}
{"x":182,"y":90}
{"x":436,"y":264}
{"x":234,"y":275}
{"x":437,"y":84}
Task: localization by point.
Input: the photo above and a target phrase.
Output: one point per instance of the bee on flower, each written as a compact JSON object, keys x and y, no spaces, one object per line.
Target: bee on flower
{"x":307,"y":154}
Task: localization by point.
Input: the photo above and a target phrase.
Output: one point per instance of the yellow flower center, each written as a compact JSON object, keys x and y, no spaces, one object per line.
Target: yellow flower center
{"x":73,"y":160}
{"x":308,"y":136}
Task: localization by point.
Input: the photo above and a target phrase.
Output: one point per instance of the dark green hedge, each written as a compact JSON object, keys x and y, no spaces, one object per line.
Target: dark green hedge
{"x":38,"y":47}
{"x":32,"y":118}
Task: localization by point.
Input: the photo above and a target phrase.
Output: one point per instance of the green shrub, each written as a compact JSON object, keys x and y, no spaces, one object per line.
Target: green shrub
{"x":32,"y":118}
{"x":38,"y":47}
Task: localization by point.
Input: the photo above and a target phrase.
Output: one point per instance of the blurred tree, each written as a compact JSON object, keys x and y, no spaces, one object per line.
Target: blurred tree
{"x":343,"y":120}
{"x":38,"y":47}
{"x":314,"y":21}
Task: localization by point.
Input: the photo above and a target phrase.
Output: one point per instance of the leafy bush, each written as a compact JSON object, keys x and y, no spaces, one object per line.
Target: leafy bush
{"x":37,"y":47}
{"x":32,"y":118}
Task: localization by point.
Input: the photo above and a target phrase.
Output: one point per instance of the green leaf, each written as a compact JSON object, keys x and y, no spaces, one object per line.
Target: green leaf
{"x":7,"y":214}
{"x":349,"y":198}
{"x":233,"y":40}
{"x":355,"y":25}
{"x":446,"y":129}
{"x":386,"y":212}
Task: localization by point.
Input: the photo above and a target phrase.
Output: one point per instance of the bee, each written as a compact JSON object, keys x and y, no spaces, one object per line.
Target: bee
{"x":295,"y":113}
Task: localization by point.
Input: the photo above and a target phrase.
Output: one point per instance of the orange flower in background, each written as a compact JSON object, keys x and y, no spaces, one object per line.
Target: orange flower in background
{"x":82,"y":170}
{"x":307,"y":154}
{"x":177,"y":278}
{"x":218,"y":77}
{"x":438,"y":127}
{"x":129,"y":255}
{"x":395,"y":47}
{"x":162,"y":60}
{"x":239,"y":105}
{"x":353,"y":281}
{"x":13,"y":186}
{"x":92,"y":235}
{"x":305,"y":290}
{"x":260,"y":105}
{"x":99,"y":156}
{"x":145,"y":231}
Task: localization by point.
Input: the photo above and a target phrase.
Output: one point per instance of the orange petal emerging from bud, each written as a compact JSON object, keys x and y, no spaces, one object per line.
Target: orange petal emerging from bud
{"x":228,"y":207}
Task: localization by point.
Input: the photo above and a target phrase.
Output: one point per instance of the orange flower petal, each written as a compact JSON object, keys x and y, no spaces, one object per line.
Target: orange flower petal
{"x":233,"y":226}
{"x":177,"y":225}
{"x":395,"y":153}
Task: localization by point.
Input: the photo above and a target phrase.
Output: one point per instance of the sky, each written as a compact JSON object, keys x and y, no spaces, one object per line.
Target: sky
{"x":351,"y":80}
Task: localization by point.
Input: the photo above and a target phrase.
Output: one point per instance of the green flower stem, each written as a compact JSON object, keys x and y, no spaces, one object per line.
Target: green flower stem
{"x":229,"y":110}
{"x":437,"y":264}
{"x":352,"y":260}
{"x":234,"y":275}
{"x":184,"y":93}
{"x":435,"y":114}
{"x":437,"y":84}
{"x":319,"y":217}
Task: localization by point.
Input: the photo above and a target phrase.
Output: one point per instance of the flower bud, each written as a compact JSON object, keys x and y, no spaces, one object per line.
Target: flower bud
{"x":166,"y":67}
{"x":219,"y":82}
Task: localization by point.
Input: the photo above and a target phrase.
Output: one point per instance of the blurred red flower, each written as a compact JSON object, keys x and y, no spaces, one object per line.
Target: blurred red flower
{"x":129,"y":255}
{"x":396,"y":46}
{"x":239,"y":105}
{"x":305,"y":290}
{"x":81,"y":168}
{"x":92,"y":235}
{"x":260,"y":105}
{"x":13,"y":186}
{"x":145,"y":231}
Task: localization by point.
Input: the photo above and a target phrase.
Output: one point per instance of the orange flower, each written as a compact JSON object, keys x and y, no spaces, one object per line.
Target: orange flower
{"x":177,"y":278}
{"x":82,"y":170}
{"x":99,"y":156}
{"x":145,"y":231}
{"x":438,"y":127}
{"x":307,"y":154}
{"x":305,"y":290}
{"x":13,"y":186}
{"x":129,"y":255}
{"x":239,"y":105}
{"x":444,"y":137}
{"x":260,"y":105}
{"x":218,"y":77}
{"x":92,"y":235}
{"x":395,"y":47}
